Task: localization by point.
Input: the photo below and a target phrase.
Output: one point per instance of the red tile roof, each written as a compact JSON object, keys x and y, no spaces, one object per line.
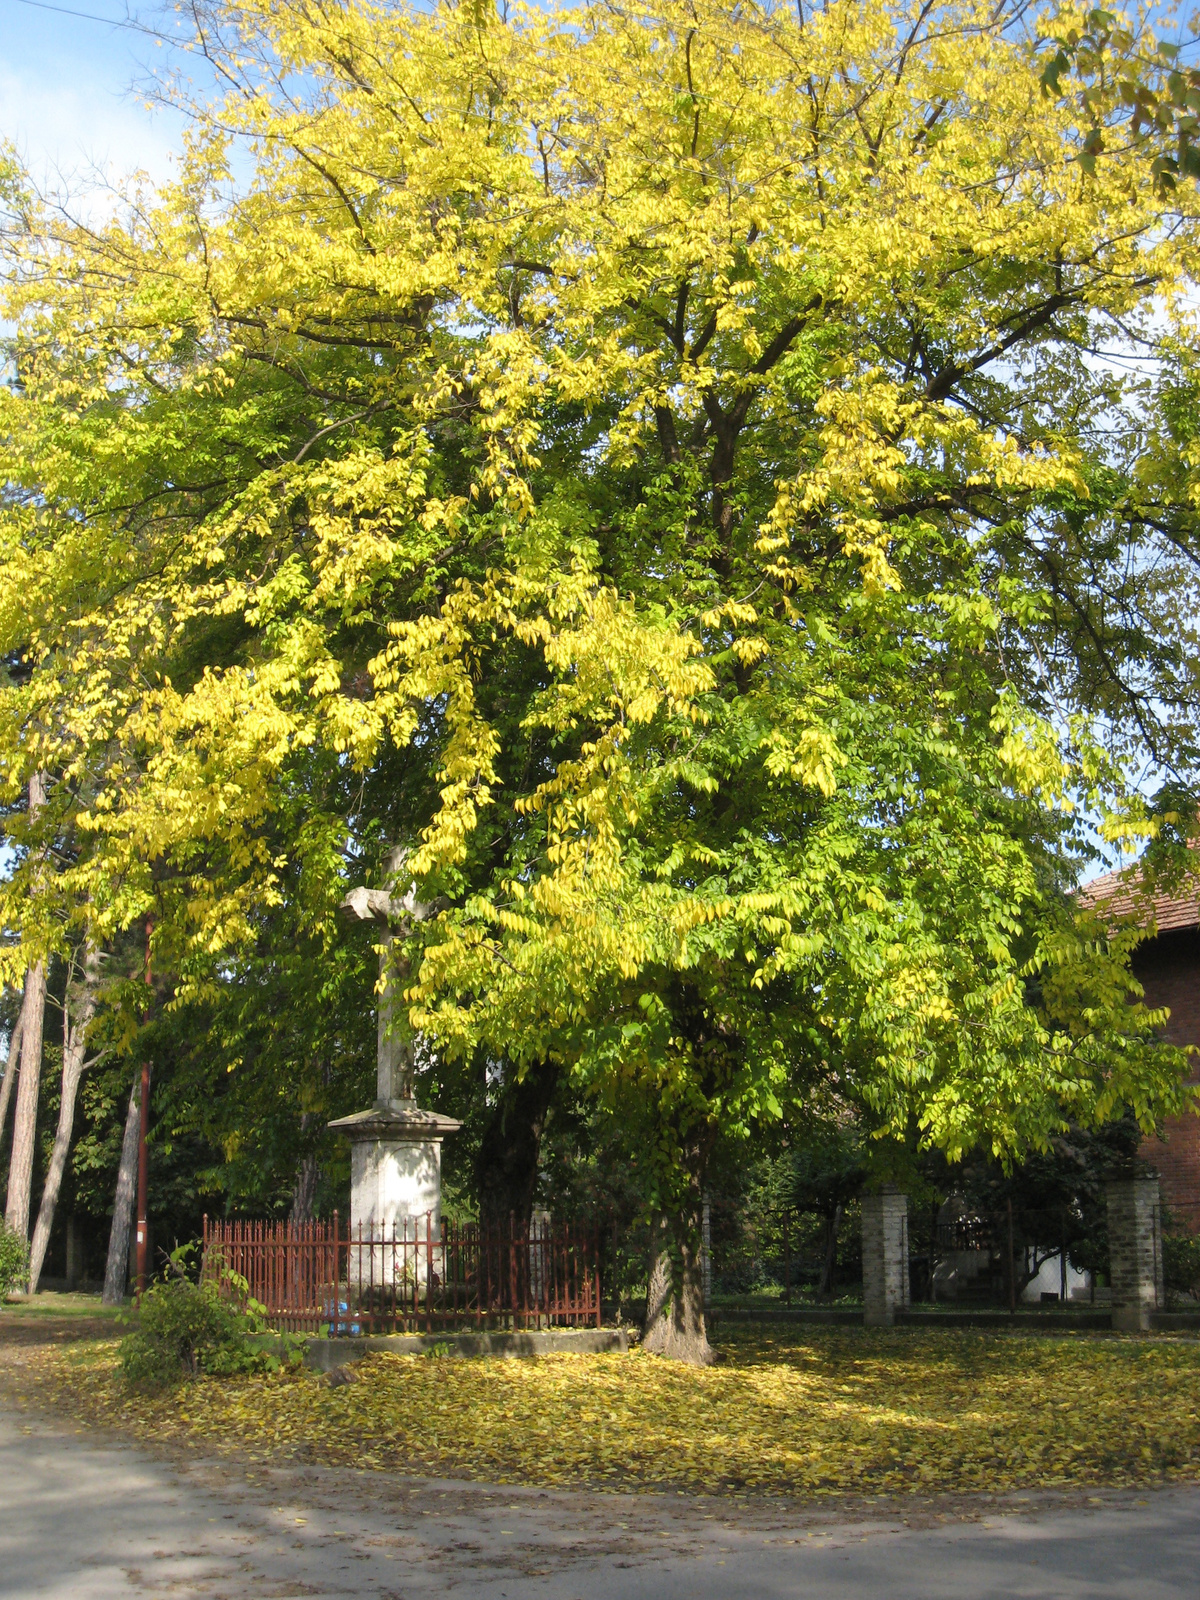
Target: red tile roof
{"x":1122,"y":895}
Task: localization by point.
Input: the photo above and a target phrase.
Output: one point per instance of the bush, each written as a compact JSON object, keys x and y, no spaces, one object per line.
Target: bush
{"x":1181,"y":1263}
{"x":187,"y":1328}
{"x":14,"y":1260}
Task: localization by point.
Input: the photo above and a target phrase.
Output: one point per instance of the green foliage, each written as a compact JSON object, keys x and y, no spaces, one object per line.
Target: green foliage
{"x":186,"y":1328}
{"x":1181,"y":1263}
{"x":14,"y":1260}
{"x":828,"y":1167}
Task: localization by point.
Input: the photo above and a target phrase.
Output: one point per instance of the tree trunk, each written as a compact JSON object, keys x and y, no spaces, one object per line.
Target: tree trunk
{"x":675,"y":1301}
{"x":506,"y":1168}
{"x":304,"y":1191}
{"x":33,"y":1009}
{"x":20,"y":1166}
{"x":116,"y":1268}
{"x":832,"y":1223}
{"x":79,"y":1006}
{"x":10,"y":1072}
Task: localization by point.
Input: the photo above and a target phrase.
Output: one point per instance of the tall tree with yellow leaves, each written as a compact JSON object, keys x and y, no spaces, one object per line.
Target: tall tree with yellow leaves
{"x":663,"y":438}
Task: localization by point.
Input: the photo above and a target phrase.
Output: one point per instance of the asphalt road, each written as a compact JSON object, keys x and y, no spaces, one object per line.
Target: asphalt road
{"x":82,"y":1519}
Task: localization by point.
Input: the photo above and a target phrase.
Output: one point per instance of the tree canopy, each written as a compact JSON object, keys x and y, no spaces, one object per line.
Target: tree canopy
{"x":711,"y":481}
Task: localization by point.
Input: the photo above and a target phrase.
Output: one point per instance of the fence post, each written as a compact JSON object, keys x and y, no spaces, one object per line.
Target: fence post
{"x":706,"y":1250}
{"x":525,"y":1259}
{"x":787,"y":1263}
{"x":1135,"y":1254}
{"x":512,"y":1267}
{"x":885,"y":1255}
{"x":337,"y":1277}
{"x":429,"y":1272}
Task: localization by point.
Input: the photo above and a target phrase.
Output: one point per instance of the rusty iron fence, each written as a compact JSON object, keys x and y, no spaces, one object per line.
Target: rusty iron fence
{"x":420,"y":1277}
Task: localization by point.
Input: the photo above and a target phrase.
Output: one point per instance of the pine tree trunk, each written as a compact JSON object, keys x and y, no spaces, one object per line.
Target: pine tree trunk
{"x":10,"y":1073}
{"x":116,"y":1268}
{"x":675,"y":1325}
{"x":79,"y":1007}
{"x":20,"y":1166}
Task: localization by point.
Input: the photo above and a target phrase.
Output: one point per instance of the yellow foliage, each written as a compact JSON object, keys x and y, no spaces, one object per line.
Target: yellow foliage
{"x":631,"y":418}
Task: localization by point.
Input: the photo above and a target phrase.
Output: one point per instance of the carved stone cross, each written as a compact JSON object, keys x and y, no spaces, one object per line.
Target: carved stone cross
{"x":395,"y":1147}
{"x":395,"y":915}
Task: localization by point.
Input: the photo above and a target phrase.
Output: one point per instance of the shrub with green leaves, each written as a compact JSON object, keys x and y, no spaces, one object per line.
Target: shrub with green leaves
{"x":14,"y":1260}
{"x":187,"y":1328}
{"x":1181,"y":1263}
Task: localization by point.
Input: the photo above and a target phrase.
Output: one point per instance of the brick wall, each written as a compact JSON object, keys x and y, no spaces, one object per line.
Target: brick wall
{"x":1169,"y":970}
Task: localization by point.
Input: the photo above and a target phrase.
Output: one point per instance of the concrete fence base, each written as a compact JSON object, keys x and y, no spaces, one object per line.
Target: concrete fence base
{"x":326,"y":1355}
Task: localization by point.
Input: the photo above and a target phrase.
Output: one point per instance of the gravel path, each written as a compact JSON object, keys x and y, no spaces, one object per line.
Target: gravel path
{"x":83,"y":1518}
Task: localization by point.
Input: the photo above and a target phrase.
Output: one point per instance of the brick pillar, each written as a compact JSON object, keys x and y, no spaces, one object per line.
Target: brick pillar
{"x":1135,"y":1251}
{"x":885,"y":1255}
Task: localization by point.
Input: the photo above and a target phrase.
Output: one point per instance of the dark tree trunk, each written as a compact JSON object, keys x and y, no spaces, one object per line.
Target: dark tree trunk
{"x":675,"y":1325}
{"x":506,"y":1168}
{"x":833,"y":1221}
{"x":304,"y":1191}
{"x":116,"y":1268}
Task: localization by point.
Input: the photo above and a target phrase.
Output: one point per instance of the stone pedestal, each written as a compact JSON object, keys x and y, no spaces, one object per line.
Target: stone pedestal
{"x":395,"y":1188}
{"x":1135,"y":1251}
{"x":885,"y":1255}
{"x":396,"y":1148}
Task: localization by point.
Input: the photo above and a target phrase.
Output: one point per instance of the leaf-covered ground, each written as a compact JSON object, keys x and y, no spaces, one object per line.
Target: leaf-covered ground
{"x":823,"y":1411}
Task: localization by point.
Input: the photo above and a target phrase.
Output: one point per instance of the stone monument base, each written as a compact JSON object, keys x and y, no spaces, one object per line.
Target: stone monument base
{"x":395,"y":1189}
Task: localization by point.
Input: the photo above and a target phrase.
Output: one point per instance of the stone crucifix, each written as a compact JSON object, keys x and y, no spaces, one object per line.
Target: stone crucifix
{"x":396,"y":1147}
{"x":394,"y":916}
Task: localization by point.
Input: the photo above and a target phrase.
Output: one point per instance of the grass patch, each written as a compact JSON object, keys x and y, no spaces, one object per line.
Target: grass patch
{"x":818,"y":1411}
{"x":51,"y":1304}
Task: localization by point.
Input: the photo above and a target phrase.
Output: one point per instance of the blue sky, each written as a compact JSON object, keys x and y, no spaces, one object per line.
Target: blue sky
{"x":65,"y":90}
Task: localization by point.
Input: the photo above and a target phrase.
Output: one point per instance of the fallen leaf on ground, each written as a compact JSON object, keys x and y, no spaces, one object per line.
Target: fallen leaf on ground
{"x":817,"y":1412}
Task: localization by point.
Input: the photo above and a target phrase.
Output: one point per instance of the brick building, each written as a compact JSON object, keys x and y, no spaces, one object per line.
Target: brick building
{"x":1168,"y":968}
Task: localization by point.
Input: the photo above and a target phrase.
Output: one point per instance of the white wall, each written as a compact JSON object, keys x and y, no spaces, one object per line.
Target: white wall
{"x":1049,"y":1281}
